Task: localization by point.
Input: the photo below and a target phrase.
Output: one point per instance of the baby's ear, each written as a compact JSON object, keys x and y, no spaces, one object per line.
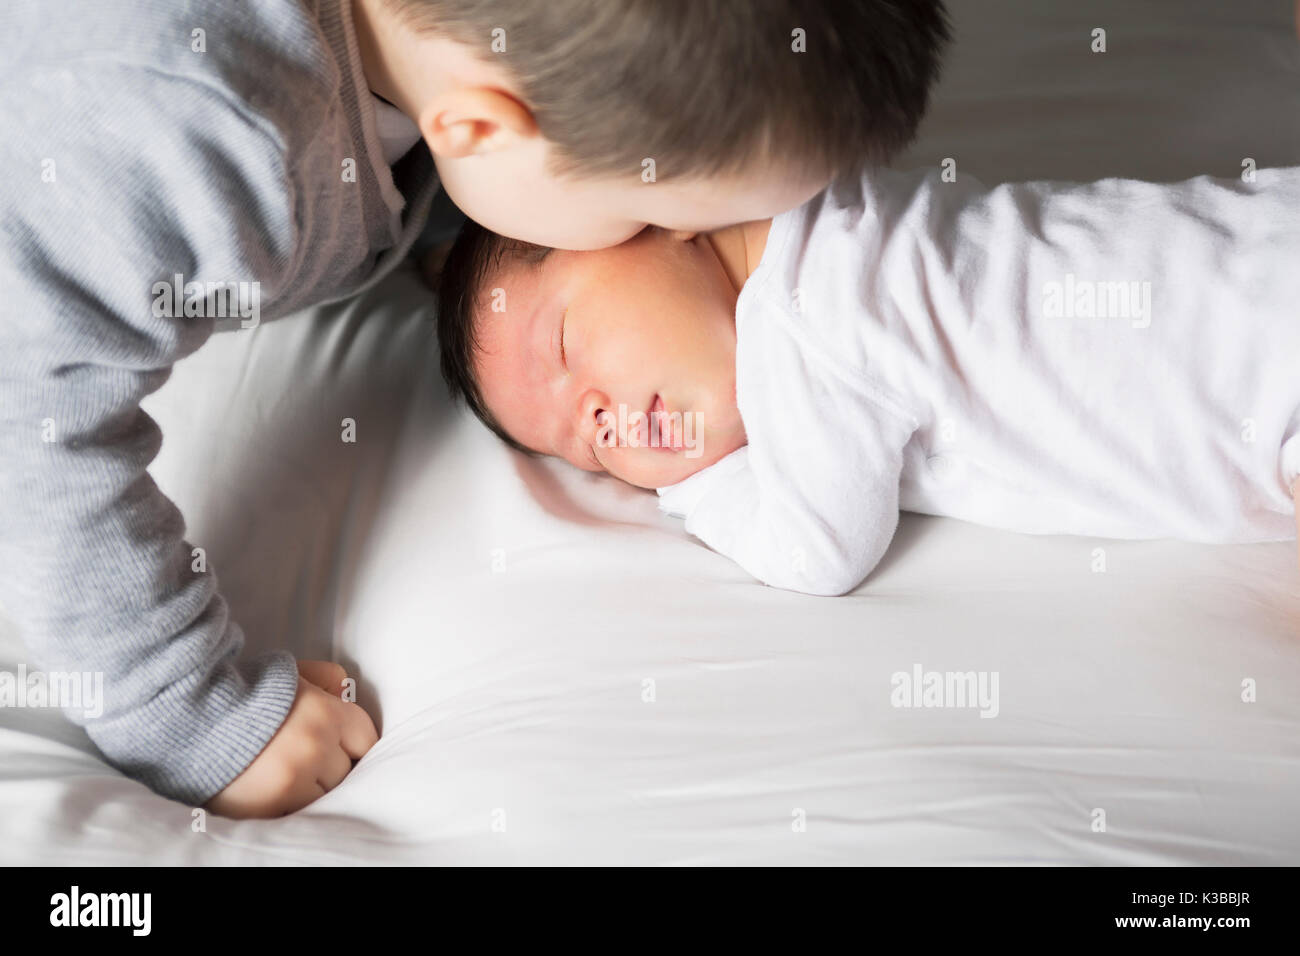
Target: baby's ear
{"x":680,"y":235}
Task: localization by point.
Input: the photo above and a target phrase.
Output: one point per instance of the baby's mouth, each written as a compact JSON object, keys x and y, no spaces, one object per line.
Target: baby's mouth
{"x":667,"y":438}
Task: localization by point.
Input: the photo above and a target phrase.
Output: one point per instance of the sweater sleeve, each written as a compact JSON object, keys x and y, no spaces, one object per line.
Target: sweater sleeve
{"x":115,"y":182}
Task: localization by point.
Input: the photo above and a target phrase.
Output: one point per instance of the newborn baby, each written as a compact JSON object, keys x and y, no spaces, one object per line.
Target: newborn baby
{"x":1120,"y":359}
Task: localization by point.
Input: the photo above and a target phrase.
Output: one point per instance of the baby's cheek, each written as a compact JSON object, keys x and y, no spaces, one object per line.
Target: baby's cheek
{"x":636,"y":467}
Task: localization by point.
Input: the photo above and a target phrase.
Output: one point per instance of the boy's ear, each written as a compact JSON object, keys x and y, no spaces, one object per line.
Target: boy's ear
{"x":474,"y":121}
{"x":681,"y":235}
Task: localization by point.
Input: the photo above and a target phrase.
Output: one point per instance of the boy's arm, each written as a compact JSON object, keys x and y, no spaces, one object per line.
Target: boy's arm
{"x":93,"y":565}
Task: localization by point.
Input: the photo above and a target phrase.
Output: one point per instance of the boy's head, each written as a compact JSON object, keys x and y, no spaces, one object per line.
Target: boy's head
{"x":575,"y":123}
{"x":618,"y":360}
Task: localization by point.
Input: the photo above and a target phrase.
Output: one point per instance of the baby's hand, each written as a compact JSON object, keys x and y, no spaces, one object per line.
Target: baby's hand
{"x":309,"y":755}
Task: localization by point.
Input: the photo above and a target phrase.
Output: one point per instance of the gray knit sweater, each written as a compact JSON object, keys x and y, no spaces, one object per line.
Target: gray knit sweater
{"x":225,"y":142}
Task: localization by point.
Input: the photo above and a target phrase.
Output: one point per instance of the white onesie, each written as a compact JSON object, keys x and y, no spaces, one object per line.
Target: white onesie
{"x":1119,"y":359}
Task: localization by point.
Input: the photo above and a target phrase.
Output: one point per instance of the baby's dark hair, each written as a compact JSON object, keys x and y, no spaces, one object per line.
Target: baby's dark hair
{"x":705,"y":87}
{"x":477,"y":254}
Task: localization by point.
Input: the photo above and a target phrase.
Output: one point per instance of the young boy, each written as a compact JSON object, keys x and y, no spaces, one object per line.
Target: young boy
{"x":1119,"y":359}
{"x":168,"y":165}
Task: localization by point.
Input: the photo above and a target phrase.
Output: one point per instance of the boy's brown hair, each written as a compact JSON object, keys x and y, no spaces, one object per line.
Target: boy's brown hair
{"x":705,"y":87}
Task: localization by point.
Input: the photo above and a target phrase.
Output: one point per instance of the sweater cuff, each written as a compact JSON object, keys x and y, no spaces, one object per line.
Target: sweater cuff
{"x":191,"y":741}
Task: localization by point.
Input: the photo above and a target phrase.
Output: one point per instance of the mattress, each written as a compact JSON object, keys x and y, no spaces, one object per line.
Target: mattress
{"x":562,"y":676}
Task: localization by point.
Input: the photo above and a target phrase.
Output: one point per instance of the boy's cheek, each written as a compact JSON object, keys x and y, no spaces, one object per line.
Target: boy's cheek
{"x":542,"y":229}
{"x":537,"y":208}
{"x":589,"y":235}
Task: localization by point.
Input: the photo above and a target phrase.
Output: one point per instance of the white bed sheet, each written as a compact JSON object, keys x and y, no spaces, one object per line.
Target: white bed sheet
{"x":504,"y":616}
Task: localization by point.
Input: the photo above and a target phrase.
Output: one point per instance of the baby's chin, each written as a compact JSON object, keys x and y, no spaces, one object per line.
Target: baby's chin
{"x":660,"y":467}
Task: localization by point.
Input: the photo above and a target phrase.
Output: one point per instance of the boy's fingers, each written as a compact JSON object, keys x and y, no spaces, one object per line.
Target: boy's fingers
{"x":304,"y":790}
{"x":337,"y":766}
{"x":358,"y":734}
{"x":324,"y":674}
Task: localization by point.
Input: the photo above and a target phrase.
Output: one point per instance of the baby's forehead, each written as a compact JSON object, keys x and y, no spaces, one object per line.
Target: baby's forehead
{"x":505,"y":305}
{"x":511,"y":278}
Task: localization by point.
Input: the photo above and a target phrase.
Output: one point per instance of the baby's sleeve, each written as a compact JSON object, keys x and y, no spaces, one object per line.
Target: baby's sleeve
{"x":810,"y":505}
{"x":94,"y":568}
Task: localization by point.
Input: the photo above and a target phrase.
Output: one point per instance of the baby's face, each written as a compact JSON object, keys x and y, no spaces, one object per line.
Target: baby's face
{"x":584,"y":346}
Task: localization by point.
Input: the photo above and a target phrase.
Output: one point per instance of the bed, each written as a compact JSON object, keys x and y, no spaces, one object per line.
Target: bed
{"x":563,"y":676}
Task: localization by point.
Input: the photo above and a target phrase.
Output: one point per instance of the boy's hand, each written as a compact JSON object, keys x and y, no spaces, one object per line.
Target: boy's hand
{"x":309,"y":755}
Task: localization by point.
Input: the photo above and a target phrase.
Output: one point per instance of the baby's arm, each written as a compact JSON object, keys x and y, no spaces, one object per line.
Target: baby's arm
{"x":811,"y":503}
